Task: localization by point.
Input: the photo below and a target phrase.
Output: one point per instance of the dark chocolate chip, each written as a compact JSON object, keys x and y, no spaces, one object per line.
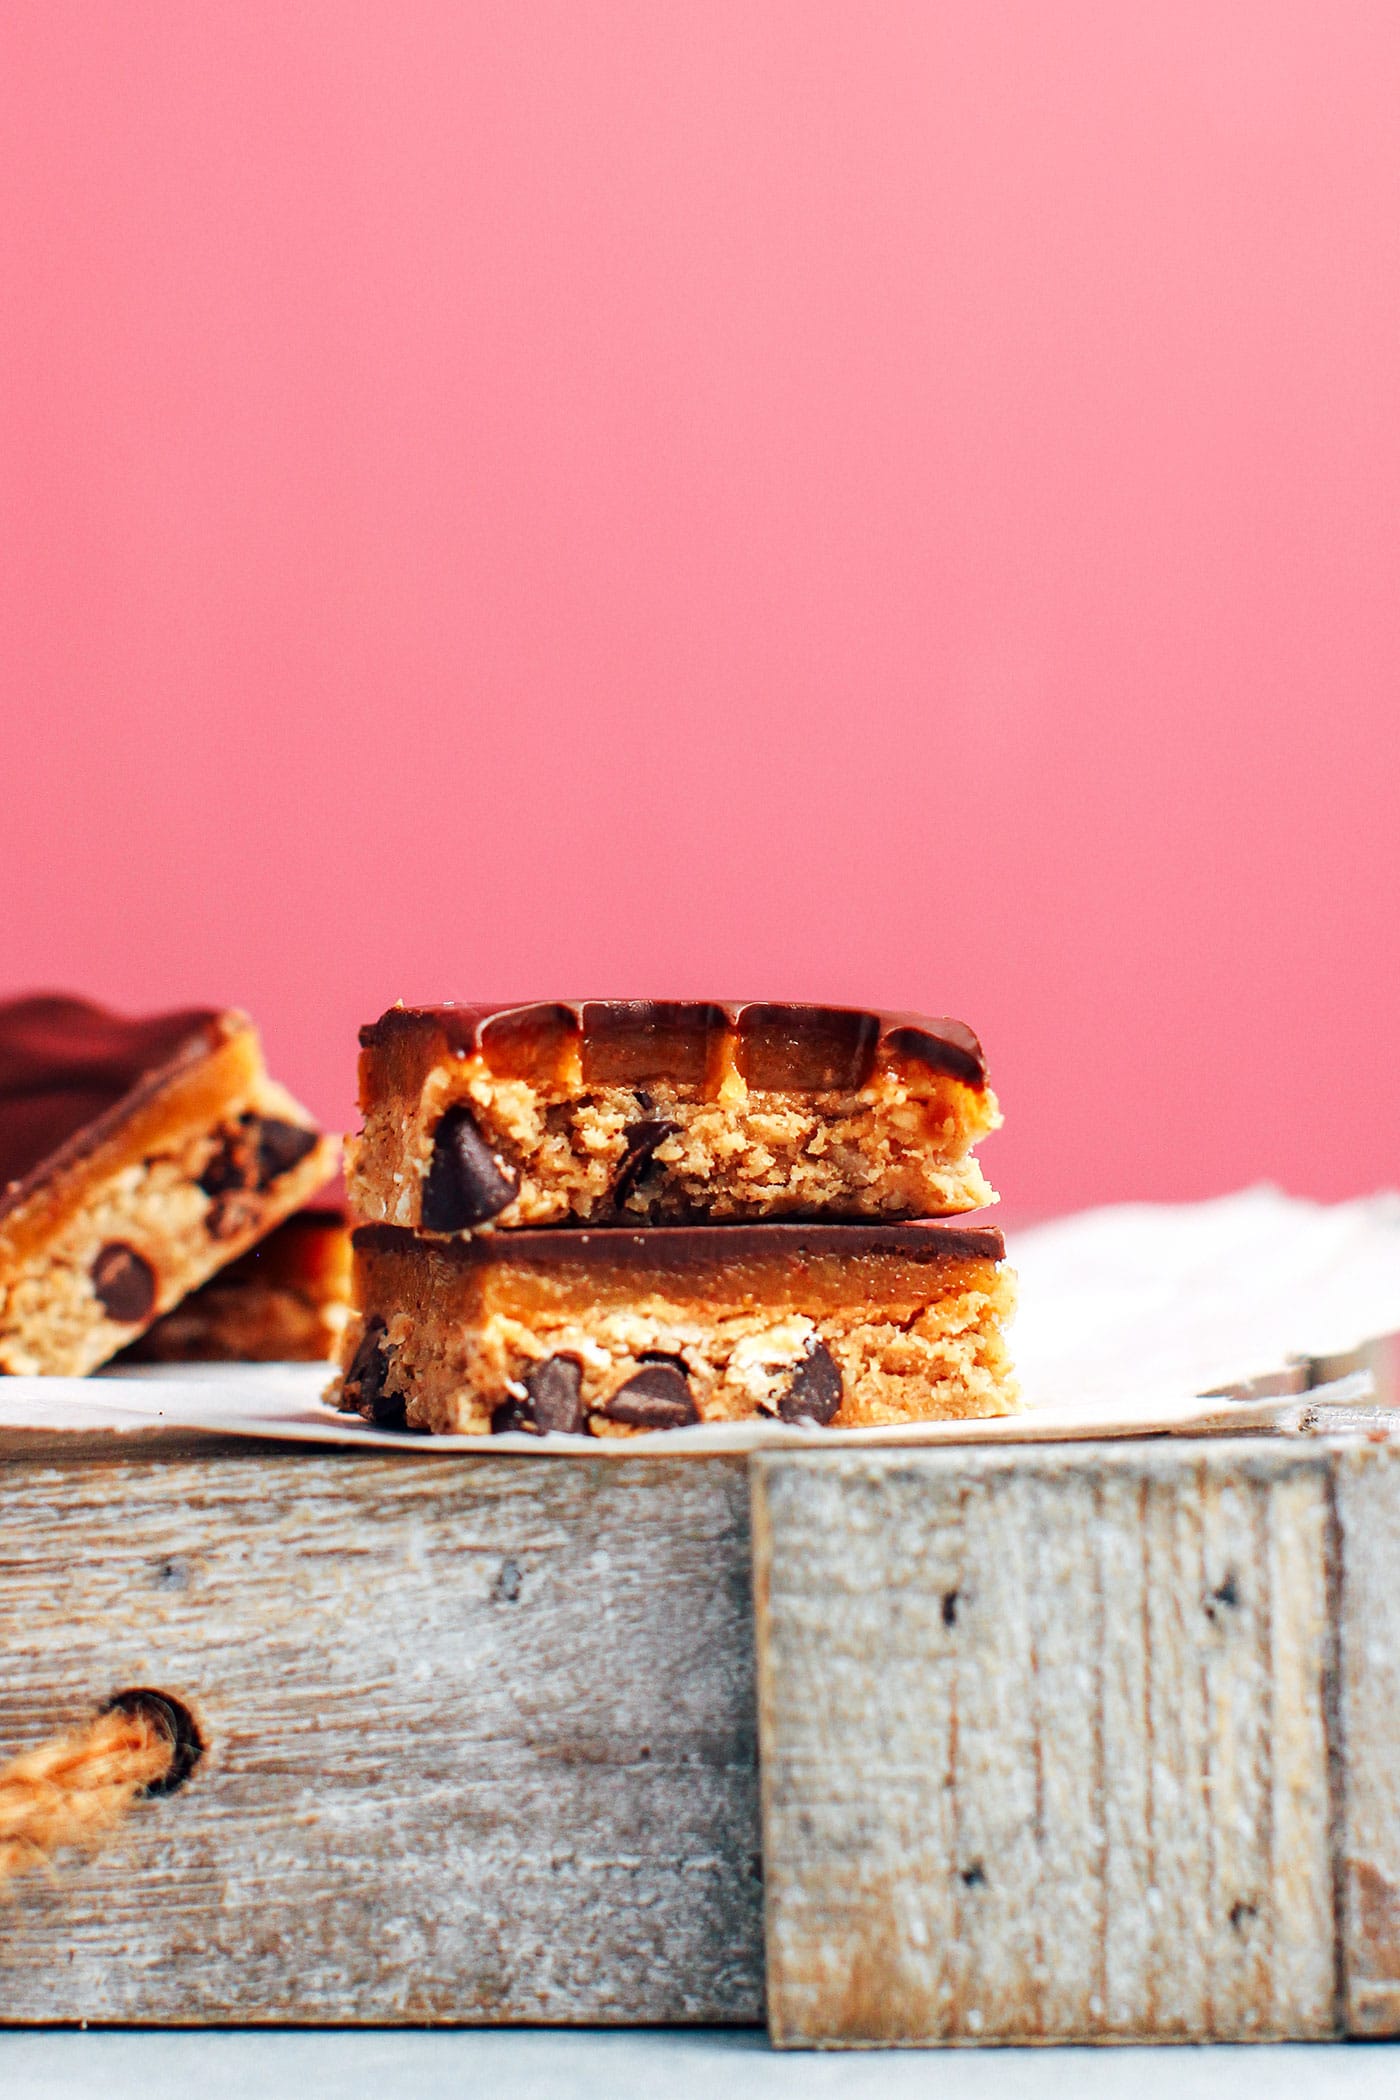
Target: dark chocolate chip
{"x":124,"y":1281}
{"x":228,"y":1216}
{"x":642,"y":1141}
{"x":230,"y":1164}
{"x":657,"y":1398}
{"x":366,"y":1372}
{"x":467,"y":1183}
{"x":554,"y":1388}
{"x":551,"y":1401}
{"x":389,"y":1411}
{"x":257,"y":1151}
{"x":364,"y":1381}
{"x":664,"y":1356}
{"x":815,"y":1392}
{"x":280,"y":1147}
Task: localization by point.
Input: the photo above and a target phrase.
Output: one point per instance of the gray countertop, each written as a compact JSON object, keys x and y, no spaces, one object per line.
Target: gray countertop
{"x":555,"y":2064}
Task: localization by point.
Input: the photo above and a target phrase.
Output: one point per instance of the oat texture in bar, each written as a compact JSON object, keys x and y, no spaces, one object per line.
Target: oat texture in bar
{"x":640,"y":1112}
{"x":136,"y":1158}
{"x":615,"y":1333}
{"x":285,"y":1301}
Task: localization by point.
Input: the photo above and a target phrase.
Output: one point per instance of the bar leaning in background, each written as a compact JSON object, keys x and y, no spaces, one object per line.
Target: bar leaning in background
{"x":285,"y":1301}
{"x":646,"y":1112}
{"x":615,"y":1333}
{"x":137,"y":1157}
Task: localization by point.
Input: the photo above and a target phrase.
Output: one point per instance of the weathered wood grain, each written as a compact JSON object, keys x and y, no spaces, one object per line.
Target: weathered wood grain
{"x":1368,"y":1736}
{"x":1048,"y":1750}
{"x":481,"y":1736}
{"x":1082,"y":1742}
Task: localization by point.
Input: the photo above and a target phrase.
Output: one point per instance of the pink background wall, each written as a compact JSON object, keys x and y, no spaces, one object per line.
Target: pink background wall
{"x":891,"y":503}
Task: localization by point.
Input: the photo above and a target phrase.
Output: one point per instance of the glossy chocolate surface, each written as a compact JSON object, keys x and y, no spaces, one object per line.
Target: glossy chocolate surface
{"x":693,"y":1246}
{"x":68,"y":1067}
{"x":626,"y":1042}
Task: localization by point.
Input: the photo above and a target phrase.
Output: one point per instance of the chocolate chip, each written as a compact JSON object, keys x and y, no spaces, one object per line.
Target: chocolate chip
{"x":551,"y":1401}
{"x":642,"y":1140}
{"x":815,"y":1392}
{"x":124,"y":1281}
{"x":228,"y":1216}
{"x":367,"y":1366}
{"x":279,"y":1147}
{"x":656,"y":1398}
{"x":554,"y":1389}
{"x":664,"y":1356}
{"x":390,"y":1411}
{"x":467,"y":1183}
{"x":230,"y":1164}
{"x":364,"y":1381}
{"x":257,"y":1151}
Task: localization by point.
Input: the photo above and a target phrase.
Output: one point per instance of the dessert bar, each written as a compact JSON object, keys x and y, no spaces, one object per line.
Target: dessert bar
{"x":284,"y":1301}
{"x":619,"y":1332}
{"x":136,"y":1158}
{"x":641,"y":1112}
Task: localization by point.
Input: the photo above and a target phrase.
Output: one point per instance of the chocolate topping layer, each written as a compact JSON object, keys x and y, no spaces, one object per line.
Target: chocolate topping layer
{"x":626,"y":1042}
{"x":67,"y":1068}
{"x":688,"y":1246}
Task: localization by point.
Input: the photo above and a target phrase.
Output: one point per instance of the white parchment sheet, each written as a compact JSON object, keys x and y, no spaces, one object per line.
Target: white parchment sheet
{"x":1128,"y":1316}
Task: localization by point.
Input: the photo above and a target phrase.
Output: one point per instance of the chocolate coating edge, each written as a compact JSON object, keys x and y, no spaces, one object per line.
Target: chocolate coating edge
{"x":658,"y":1246}
{"x":936,"y":1040}
{"x":138,"y":1058}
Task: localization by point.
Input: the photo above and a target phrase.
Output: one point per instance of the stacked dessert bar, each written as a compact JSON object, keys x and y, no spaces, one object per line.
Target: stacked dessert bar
{"x":617,"y":1216}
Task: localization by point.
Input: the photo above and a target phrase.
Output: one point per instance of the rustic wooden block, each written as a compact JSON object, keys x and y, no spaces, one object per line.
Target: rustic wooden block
{"x":1060,"y":1742}
{"x":481,"y":1735}
{"x":1086,"y":1743}
{"x":1368,"y":1737}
